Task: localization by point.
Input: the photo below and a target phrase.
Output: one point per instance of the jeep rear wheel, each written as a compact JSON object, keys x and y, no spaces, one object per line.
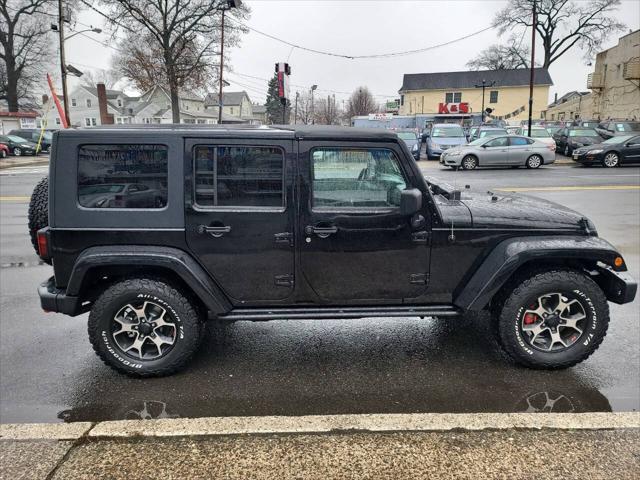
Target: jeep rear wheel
{"x":553,"y":319}
{"x":144,"y":327}
{"x":38,"y":215}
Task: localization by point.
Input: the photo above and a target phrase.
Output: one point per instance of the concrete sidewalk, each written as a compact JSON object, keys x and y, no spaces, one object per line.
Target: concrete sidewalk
{"x":514,"y":446}
{"x":25,"y":161}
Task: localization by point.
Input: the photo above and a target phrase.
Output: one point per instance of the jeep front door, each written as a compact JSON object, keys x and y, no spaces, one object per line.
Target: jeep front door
{"x":356,"y":246}
{"x":239,"y":216}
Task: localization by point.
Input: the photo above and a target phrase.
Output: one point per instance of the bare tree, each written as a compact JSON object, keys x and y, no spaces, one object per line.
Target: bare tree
{"x":173,"y":41}
{"x":361,"y":102}
{"x":502,"y":57}
{"x":91,"y":78}
{"x":562,"y":24}
{"x":304,"y":110}
{"x":327,"y":112}
{"x":24,"y":48}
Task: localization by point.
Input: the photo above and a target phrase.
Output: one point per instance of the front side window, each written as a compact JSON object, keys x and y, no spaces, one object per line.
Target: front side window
{"x":498,"y":142}
{"x":356,"y":178}
{"x":122,"y":176}
{"x":239,"y":176}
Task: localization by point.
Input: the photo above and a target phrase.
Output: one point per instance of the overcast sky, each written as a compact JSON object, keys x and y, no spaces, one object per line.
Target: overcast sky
{"x":360,"y":28}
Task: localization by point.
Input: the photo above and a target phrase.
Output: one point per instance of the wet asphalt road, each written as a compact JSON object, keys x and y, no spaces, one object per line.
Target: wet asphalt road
{"x":48,"y":371}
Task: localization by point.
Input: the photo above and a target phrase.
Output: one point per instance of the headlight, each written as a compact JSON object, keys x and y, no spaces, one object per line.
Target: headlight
{"x":597,"y":150}
{"x":453,"y":153}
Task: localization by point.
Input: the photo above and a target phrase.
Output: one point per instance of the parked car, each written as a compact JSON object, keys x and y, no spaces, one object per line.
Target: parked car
{"x":471,"y":131}
{"x":569,"y":138}
{"x":487,"y":131}
{"x":4,"y":151}
{"x":33,"y":135}
{"x":540,"y":134}
{"x":512,"y":129}
{"x":412,"y":140}
{"x":351,"y":229}
{"x":502,"y":151}
{"x":612,"y":128}
{"x":442,"y":137}
{"x":610,"y":153}
{"x":18,"y":146}
{"x":552,"y":129}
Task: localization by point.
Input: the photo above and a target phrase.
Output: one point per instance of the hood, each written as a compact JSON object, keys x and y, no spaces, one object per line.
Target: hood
{"x":448,"y":140}
{"x":511,"y":210}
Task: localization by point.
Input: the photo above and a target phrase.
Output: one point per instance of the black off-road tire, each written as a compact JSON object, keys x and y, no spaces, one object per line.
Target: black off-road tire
{"x":39,"y":212}
{"x":510,"y":309}
{"x":184,"y":312}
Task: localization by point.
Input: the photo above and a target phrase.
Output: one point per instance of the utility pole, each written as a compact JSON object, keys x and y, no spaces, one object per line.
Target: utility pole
{"x":313,"y":107}
{"x":230,"y":4}
{"x":295,"y":114}
{"x":532,"y":66}
{"x":483,"y":87}
{"x":63,"y":66}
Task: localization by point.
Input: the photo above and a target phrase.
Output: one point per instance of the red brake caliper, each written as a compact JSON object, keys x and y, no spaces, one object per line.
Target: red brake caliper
{"x":530,"y":318}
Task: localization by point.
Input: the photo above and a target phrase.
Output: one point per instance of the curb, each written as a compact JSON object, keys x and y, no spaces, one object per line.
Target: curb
{"x":422,"y":422}
{"x":31,"y":163}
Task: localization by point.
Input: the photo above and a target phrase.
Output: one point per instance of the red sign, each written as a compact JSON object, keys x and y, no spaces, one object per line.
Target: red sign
{"x":453,"y":107}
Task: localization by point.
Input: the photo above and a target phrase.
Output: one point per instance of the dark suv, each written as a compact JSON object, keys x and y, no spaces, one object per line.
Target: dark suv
{"x":303,"y":223}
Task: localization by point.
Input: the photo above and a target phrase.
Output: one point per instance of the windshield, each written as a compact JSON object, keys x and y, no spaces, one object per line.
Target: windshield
{"x":583,"y":132}
{"x":407,"y":135}
{"x":491,"y":133}
{"x":15,"y":139}
{"x":539,"y":133}
{"x":97,"y":189}
{"x":620,"y":139}
{"x":628,"y":127}
{"x":441,"y":132}
{"x":47,"y":136}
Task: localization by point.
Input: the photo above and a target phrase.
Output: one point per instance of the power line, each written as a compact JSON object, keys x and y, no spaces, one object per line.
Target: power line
{"x":359,"y":57}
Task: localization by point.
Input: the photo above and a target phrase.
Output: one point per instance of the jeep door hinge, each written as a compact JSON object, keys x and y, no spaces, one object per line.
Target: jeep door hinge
{"x":419,"y":278}
{"x":422,"y":236}
{"x":284,"y":280}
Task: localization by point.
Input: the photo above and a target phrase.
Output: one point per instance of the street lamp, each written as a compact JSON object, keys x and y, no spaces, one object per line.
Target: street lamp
{"x":313,"y":116}
{"x":94,"y":30}
{"x":230,"y":4}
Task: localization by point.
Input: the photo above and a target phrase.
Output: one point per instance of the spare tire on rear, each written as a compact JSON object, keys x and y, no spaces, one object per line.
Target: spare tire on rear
{"x":39,"y":211}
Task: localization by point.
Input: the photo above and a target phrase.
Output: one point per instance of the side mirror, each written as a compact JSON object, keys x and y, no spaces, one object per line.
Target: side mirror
{"x":410,"y":201}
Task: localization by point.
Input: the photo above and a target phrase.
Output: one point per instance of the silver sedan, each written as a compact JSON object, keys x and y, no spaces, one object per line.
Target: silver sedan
{"x":503,"y":151}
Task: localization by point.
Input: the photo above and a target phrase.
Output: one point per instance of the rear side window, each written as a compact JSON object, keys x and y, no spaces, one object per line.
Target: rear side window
{"x":356,"y":178}
{"x":122,"y":176}
{"x":515,"y":141}
{"x":239,"y":176}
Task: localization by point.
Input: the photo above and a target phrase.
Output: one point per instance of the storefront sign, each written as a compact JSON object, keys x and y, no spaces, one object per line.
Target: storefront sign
{"x":380,"y":116}
{"x":453,"y":107}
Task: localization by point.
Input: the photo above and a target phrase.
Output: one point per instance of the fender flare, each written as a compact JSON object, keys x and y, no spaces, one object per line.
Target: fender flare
{"x":177,"y":261}
{"x":511,"y":254}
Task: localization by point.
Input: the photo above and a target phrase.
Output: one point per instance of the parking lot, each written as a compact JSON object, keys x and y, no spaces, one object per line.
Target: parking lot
{"x":48,"y":371}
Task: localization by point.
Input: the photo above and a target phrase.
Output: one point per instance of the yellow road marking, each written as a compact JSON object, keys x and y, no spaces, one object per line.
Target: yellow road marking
{"x":15,"y":199}
{"x":568,"y":189}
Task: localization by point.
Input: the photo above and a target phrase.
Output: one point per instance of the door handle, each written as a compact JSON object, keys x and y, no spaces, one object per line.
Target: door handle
{"x":322,"y":232}
{"x":215,"y":232}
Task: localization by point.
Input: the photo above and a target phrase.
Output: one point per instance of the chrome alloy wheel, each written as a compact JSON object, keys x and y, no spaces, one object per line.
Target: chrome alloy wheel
{"x":611,"y":160}
{"x":553,"y":323}
{"x":145,"y":331}
{"x":534,"y":161}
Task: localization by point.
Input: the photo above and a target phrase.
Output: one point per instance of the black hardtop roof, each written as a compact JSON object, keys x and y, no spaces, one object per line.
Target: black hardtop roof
{"x":319,"y":132}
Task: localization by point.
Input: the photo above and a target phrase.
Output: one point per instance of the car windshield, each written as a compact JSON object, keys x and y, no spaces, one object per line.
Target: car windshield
{"x":539,"y":133}
{"x":441,"y":132}
{"x":620,"y":139}
{"x":407,"y":135}
{"x":628,"y":127}
{"x":583,"y":132}
{"x":47,"y":136}
{"x":98,"y":189}
{"x":15,"y":139}
{"x":491,"y":133}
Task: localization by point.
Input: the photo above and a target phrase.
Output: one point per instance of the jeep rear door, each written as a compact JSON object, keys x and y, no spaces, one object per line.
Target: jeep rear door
{"x":355,"y":246}
{"x":239,"y":213}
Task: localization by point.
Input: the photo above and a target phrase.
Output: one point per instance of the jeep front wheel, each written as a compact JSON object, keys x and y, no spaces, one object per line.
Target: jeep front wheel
{"x":144,"y":327}
{"x":553,"y":319}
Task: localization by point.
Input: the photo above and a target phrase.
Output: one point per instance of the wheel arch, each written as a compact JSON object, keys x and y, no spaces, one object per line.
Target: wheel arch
{"x":519,"y":256}
{"x":98,"y":267}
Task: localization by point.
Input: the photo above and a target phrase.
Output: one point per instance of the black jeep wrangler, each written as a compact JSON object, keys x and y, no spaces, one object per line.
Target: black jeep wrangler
{"x":155,"y":230}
